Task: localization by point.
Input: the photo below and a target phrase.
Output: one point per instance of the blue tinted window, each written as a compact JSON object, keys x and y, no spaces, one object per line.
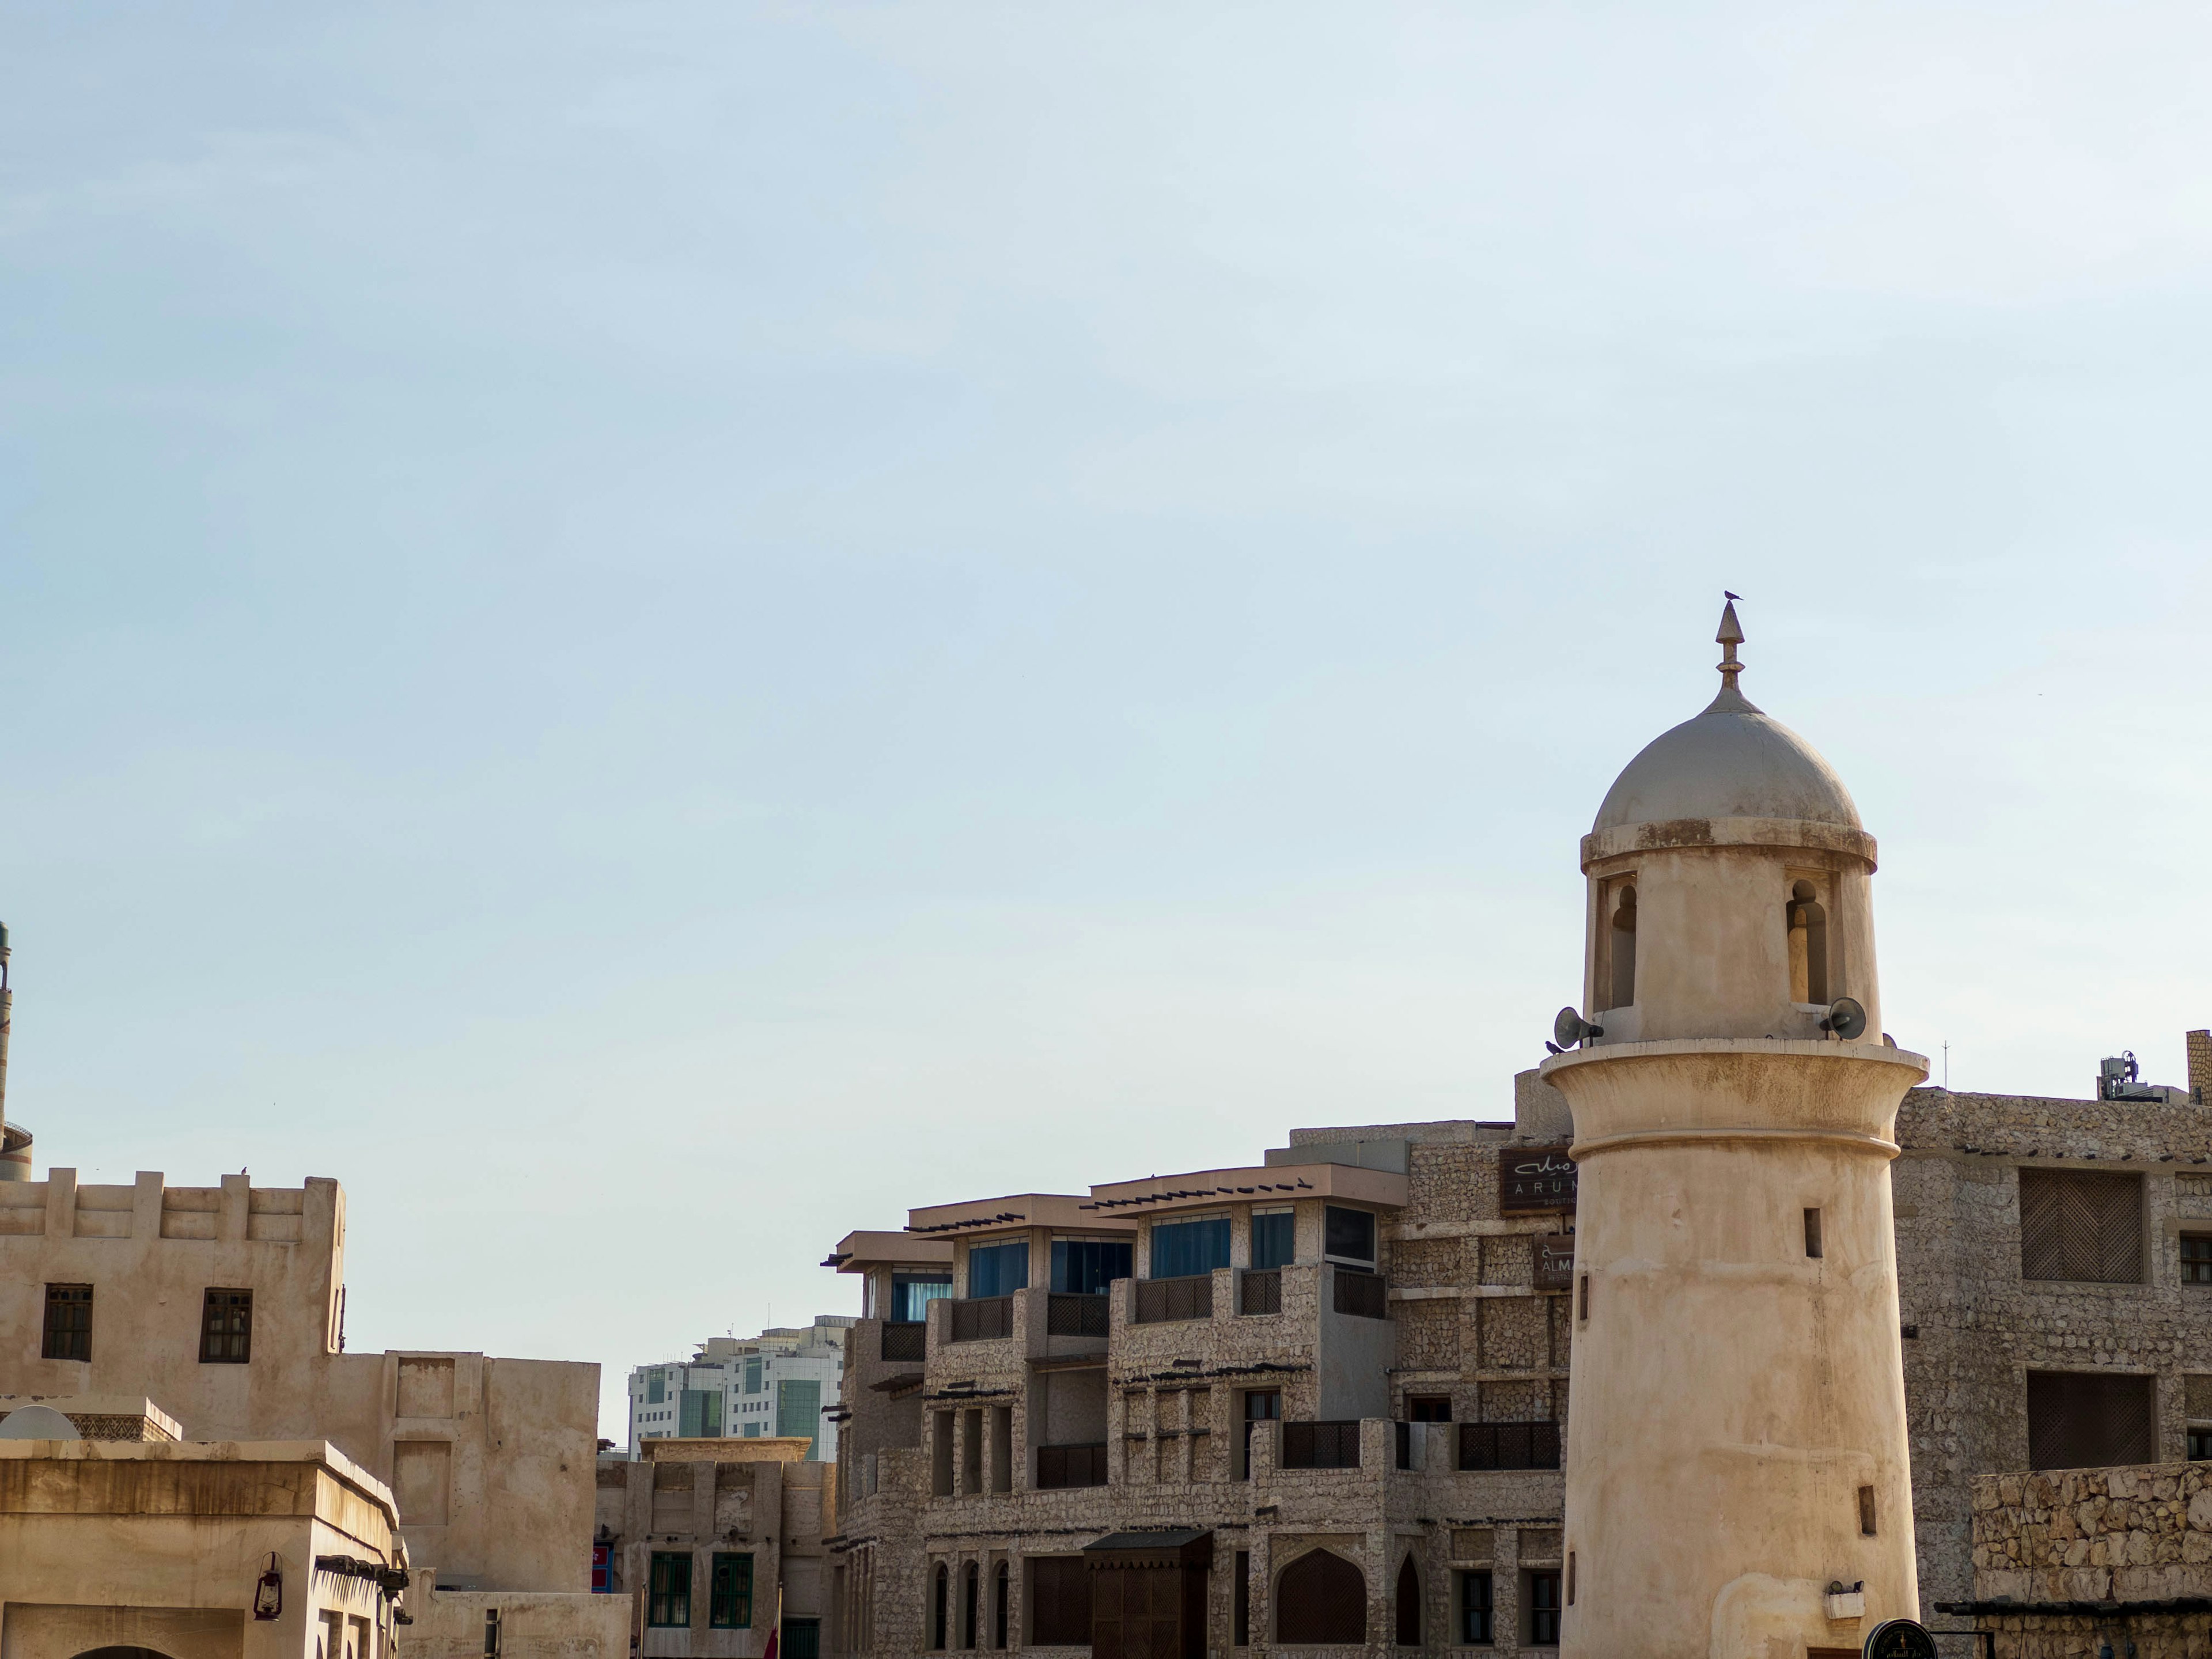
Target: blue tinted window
{"x":1086,"y":1266}
{"x":912,"y":1293}
{"x":1273,"y":1244}
{"x":1182,"y":1250}
{"x":999,"y":1269}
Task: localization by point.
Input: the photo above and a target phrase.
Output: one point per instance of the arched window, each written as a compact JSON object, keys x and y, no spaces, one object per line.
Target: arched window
{"x":1409,"y":1604}
{"x":1623,"y":948}
{"x":968,"y":1596}
{"x":1808,"y":945}
{"x":1321,"y":1599}
{"x":940,"y":1600}
{"x":1001,"y":1593}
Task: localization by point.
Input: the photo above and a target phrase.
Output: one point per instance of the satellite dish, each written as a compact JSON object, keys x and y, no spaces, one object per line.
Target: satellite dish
{"x":37,"y":1423}
{"x":1571,"y":1028}
{"x":1846,"y":1018}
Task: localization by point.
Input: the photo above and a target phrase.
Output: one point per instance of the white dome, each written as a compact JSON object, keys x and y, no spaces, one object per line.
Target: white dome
{"x":1730,"y":761}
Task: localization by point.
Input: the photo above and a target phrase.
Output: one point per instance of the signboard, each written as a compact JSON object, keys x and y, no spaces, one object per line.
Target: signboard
{"x":1534,"y":1178}
{"x":1555,"y":1262}
{"x":1900,"y":1639}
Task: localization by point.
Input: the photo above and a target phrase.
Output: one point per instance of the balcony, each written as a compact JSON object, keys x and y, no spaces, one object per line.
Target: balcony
{"x":980,"y":1319}
{"x":1077,"y":1316}
{"x":1362,"y":1295}
{"x":1163,"y":1301}
{"x":1509,"y":1445}
{"x":1321,"y":1445}
{"x":1259,"y":1290}
{"x":1061,"y":1467}
{"x":905,"y":1340}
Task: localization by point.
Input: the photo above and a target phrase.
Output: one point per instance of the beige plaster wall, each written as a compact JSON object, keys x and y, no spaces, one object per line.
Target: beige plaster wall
{"x":533,"y":1625}
{"x":492,"y":1458}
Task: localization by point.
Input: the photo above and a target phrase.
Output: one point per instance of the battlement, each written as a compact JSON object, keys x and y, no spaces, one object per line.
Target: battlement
{"x":235,"y":1212}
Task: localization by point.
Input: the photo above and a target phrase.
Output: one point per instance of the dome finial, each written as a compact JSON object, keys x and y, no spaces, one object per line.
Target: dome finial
{"x":1729,"y":637}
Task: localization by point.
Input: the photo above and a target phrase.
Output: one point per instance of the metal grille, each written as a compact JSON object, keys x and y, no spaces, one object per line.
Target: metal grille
{"x":1509,"y":1445}
{"x":980,"y":1319}
{"x":1321,"y":1446}
{"x":1363,"y":1296}
{"x":2090,"y":1420}
{"x":802,"y":1638}
{"x":1075,"y":1315}
{"x":1071,"y":1466}
{"x":1059,"y":1601}
{"x":1160,"y":1300}
{"x":1409,"y":1604}
{"x":1321,"y":1598}
{"x":1259,"y":1290}
{"x":2077,"y":1225}
{"x":227,"y":1327}
{"x":905,"y":1340}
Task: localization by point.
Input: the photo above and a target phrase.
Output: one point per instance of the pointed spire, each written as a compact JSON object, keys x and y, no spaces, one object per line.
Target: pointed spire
{"x":1730,"y":699}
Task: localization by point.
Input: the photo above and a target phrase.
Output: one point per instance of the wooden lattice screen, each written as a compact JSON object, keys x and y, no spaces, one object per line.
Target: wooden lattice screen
{"x":2079,"y":1225}
{"x":2091,"y":1419}
{"x":1321,"y":1599}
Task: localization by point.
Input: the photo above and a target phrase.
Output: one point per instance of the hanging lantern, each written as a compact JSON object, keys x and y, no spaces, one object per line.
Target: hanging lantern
{"x":269,"y":1594}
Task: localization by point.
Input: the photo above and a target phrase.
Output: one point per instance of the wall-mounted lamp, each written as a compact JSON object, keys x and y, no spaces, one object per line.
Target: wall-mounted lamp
{"x":269,"y":1594}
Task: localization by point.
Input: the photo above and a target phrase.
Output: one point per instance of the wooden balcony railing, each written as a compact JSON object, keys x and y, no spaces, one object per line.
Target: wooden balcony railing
{"x":1509,"y":1445}
{"x":1259,"y":1290}
{"x":981,"y":1318}
{"x":1157,"y":1301}
{"x":1363,"y":1295}
{"x":1321,"y":1445}
{"x":905,"y":1338}
{"x":1071,"y":1466}
{"x":1067,"y":1314}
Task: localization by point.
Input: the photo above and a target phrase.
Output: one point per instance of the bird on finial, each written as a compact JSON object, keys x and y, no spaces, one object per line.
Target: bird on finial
{"x":1729,"y":637}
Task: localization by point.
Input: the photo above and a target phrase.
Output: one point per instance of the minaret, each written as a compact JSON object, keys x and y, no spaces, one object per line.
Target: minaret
{"x":1735,"y":1431}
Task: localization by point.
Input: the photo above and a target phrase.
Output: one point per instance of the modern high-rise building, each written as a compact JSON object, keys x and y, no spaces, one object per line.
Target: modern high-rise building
{"x":777,"y":1384}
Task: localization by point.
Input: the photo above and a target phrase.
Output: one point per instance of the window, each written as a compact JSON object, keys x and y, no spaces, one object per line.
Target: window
{"x":668,"y":1593}
{"x":2090,"y":1420}
{"x":1866,"y":1512}
{"x":802,"y":1638}
{"x":1002,"y":1600}
{"x":1261,"y":1405}
{"x":912,"y":1293}
{"x":1409,"y":1604}
{"x":939,"y":1607}
{"x":1813,"y":1235}
{"x":1428,"y":1408}
{"x":1274,"y":1238}
{"x":2199,"y":1443}
{"x":1183,"y":1249}
{"x":2197,"y":1258}
{"x":1542,"y":1602}
{"x":1809,"y":945}
{"x":730,"y":1603}
{"x":752,"y":1376}
{"x":656,"y":1387}
{"x":999,"y":1269}
{"x":1086,"y":1266}
{"x":799,"y":1409}
{"x":69,"y":1322}
{"x":1474,"y":1610}
{"x":2082,"y":1226}
{"x":1240,"y":1611}
{"x":1582,"y":1301}
{"x":1349,"y":1235}
{"x":1058,"y":1601}
{"x":227,"y":1327}
{"x":969,"y":1585}
{"x":491,"y":1634}
{"x":700,"y":1413}
{"x":1621,"y":947}
{"x":1321,"y":1599}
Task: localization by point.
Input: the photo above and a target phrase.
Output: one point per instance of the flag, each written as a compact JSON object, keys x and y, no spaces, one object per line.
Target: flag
{"x":776,"y":1625}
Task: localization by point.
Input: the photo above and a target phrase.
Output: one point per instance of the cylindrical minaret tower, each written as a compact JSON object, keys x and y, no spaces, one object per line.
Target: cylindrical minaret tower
{"x":1735,"y":1435}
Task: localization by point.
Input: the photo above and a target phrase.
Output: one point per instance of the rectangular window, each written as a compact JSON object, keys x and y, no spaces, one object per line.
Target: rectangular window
{"x":1428,"y":1408}
{"x":69,"y":1322}
{"x":2081,"y":1226}
{"x":1543,"y":1608}
{"x":2199,"y":1443}
{"x":227,"y":1327}
{"x":1348,"y":1234}
{"x":1086,"y":1266}
{"x":668,"y":1592}
{"x":1813,"y":1235}
{"x":730,"y":1604}
{"x":699,"y":1413}
{"x":752,"y":1376}
{"x":656,"y":1387}
{"x":999,"y":1269}
{"x":1274,"y":1238}
{"x":799,"y":1411}
{"x":912,"y":1293}
{"x":1475,"y":1630}
{"x":2197,"y":1258}
{"x":1866,"y":1512}
{"x":1183,"y":1249}
{"x":1582,"y":1301}
{"x":2090,"y":1420}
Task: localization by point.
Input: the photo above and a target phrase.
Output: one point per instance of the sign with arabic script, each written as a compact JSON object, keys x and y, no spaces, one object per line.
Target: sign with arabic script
{"x":1534,"y":1178}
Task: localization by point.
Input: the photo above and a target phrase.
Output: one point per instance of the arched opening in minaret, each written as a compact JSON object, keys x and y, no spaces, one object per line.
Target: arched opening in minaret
{"x":1809,"y":945}
{"x":1621,"y":952}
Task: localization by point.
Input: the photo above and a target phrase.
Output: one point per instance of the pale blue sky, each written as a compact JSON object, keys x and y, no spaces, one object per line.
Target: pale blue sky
{"x":653,"y":632}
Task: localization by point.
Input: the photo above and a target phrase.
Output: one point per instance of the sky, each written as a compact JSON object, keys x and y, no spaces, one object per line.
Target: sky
{"x":653,"y":633}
